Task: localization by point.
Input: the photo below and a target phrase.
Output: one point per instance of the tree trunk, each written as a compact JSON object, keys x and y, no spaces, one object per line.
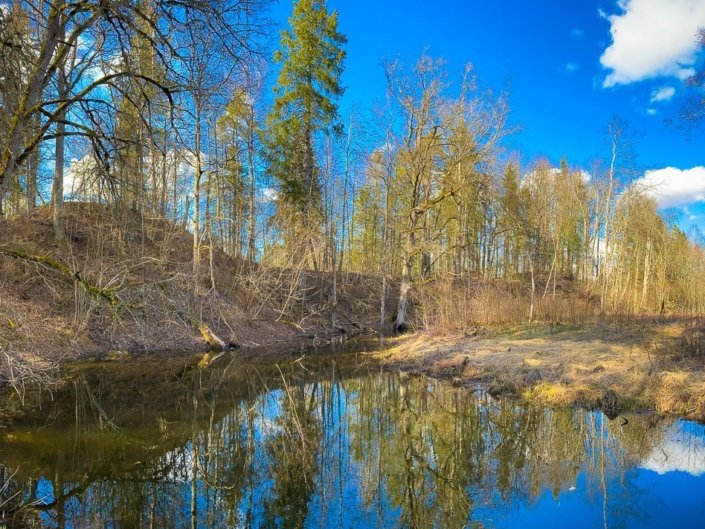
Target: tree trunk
{"x":533,"y":288}
{"x":400,"y":324}
{"x":608,"y":200}
{"x":32,"y":170}
{"x":403,"y":305}
{"x":253,"y":212}
{"x":208,"y":225}
{"x":335,"y":286}
{"x":647,"y":272}
{"x":37,"y":81}
{"x":382,"y":300}
{"x":57,"y":195}
{"x":196,"y":207}
{"x":213,"y":341}
{"x":31,"y":188}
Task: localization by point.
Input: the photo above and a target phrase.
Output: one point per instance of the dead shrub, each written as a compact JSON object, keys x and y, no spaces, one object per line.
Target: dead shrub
{"x":694,"y":336}
{"x":449,"y":304}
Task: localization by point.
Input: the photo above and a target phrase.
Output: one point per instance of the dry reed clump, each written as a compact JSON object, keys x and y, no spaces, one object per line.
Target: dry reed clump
{"x":694,"y":336}
{"x":448,"y":305}
{"x":573,"y":308}
{"x":681,"y":393}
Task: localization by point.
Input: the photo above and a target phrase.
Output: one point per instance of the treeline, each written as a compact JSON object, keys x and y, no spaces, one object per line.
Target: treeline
{"x":163,"y":108}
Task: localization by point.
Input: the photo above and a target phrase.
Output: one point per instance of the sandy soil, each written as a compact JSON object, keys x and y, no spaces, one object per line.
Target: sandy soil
{"x":610,"y":367}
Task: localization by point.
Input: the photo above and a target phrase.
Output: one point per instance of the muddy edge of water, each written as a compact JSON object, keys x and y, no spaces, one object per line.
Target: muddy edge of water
{"x":617,"y":370}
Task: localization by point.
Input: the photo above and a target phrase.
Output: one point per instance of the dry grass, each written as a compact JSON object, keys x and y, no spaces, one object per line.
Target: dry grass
{"x":452,"y":305}
{"x":610,"y":367}
{"x":694,"y":336}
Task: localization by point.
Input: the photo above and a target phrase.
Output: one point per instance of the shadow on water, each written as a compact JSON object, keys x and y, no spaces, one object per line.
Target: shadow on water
{"x":330,"y":441}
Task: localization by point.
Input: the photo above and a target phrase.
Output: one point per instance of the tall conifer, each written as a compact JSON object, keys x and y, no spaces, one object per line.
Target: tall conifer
{"x":305,"y":106}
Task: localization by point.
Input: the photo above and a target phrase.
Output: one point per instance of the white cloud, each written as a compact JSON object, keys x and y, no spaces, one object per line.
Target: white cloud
{"x":651,"y":111}
{"x":571,"y":67}
{"x":577,"y":33}
{"x":673,"y":187}
{"x":685,"y":73}
{"x":682,"y":450}
{"x":690,"y":214}
{"x":269,"y":194}
{"x":652,"y":38}
{"x":662,"y":94}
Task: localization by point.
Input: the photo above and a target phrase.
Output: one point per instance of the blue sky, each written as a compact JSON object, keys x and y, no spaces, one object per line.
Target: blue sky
{"x":569,"y":66}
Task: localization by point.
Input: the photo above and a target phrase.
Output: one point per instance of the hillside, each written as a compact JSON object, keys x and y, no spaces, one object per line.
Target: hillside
{"x":123,"y":282}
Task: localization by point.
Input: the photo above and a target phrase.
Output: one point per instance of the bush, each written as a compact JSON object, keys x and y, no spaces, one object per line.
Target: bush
{"x":694,"y":336}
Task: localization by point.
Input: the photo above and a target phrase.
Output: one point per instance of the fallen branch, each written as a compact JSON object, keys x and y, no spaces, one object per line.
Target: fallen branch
{"x":18,"y":372}
{"x":94,"y":290}
{"x":213,"y":341}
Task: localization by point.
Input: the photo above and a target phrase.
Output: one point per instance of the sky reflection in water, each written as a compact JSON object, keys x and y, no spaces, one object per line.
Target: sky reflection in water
{"x":313,"y":449}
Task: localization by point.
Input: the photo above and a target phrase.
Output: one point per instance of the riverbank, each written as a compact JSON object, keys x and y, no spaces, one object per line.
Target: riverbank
{"x":614,"y":368}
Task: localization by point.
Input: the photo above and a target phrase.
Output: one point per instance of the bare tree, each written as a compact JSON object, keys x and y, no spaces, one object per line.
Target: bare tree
{"x":440,"y":144}
{"x":100,"y":34}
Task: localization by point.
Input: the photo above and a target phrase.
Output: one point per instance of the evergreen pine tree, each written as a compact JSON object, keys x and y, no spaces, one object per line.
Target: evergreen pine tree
{"x":311,"y":58}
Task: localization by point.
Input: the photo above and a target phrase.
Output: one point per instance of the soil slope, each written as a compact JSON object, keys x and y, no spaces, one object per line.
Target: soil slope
{"x":123,"y":281}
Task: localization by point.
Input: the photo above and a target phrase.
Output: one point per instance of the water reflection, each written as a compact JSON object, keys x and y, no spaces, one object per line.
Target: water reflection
{"x":307,"y":446}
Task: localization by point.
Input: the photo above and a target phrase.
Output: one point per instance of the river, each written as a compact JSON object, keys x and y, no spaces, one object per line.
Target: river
{"x":330,"y":442}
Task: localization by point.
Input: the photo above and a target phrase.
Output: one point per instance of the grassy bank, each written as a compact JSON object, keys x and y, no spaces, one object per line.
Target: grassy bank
{"x":642,"y":366}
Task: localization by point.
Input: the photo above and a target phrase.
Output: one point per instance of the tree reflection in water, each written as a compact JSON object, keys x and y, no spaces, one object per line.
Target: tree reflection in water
{"x":308,"y":447}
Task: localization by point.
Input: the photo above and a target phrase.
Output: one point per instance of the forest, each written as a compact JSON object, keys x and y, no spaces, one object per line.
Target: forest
{"x":232,"y":296}
{"x":119,"y":105}
{"x":173,"y":155}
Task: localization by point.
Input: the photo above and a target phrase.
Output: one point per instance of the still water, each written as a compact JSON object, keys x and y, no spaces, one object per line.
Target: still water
{"x":316,"y":443}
